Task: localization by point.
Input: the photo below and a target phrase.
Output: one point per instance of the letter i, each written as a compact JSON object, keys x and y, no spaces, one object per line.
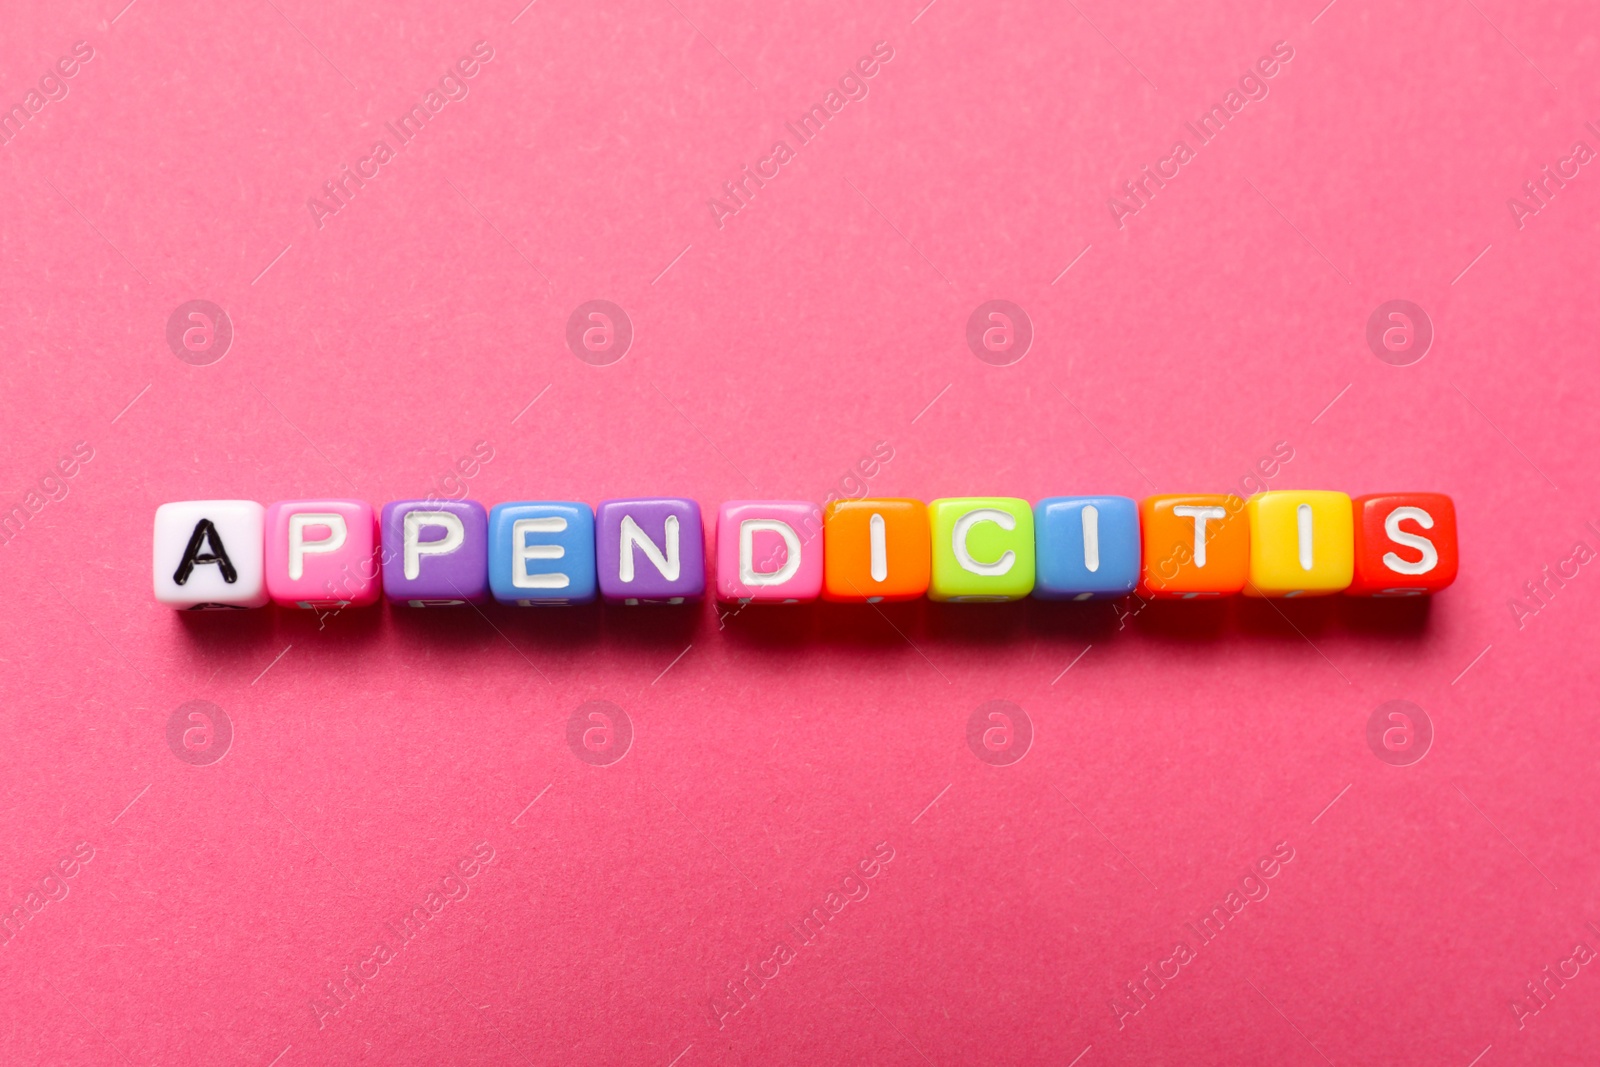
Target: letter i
{"x":1091,"y":538}
{"x":878,"y":535}
{"x":1302,"y":516}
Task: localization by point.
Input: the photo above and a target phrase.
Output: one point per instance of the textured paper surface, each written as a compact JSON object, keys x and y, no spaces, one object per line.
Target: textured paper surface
{"x":371,"y":755}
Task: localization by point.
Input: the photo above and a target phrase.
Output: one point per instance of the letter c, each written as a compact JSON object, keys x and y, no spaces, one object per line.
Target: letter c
{"x":963,"y":529}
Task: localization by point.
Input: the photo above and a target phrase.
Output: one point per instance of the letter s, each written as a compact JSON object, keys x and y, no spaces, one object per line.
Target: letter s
{"x":1391,"y":527}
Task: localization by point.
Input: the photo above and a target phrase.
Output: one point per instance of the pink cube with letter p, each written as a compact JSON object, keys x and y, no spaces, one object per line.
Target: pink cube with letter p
{"x":322,"y":554}
{"x":769,"y":551}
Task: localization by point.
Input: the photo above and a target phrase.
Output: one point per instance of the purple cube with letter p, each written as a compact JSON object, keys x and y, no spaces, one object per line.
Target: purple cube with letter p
{"x":650,"y":551}
{"x":435,"y":552}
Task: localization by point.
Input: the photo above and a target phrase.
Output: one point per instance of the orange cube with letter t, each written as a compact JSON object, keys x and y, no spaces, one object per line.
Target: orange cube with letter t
{"x":1195,"y":545}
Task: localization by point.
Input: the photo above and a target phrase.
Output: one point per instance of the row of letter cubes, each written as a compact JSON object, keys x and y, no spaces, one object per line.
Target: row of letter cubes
{"x":337,"y":553}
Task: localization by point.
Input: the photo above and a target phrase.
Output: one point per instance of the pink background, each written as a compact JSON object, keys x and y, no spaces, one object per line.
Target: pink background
{"x":372,"y":752}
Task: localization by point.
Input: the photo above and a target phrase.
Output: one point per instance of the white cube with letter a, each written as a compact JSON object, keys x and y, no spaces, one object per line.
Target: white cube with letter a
{"x":209,"y":554}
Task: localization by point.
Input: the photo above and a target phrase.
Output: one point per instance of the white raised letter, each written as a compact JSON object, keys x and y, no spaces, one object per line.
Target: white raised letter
{"x":1199,"y":515}
{"x":415,"y":548}
{"x":878,"y":536}
{"x":632,"y":536}
{"x":1391,"y":526}
{"x":1091,"y":538}
{"x":963,"y":527}
{"x":748,"y":575}
{"x":299,"y":546}
{"x":521,"y":552}
{"x":1302,"y":522}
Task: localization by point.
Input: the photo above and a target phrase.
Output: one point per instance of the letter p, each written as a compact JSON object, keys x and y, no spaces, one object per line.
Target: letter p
{"x":300,"y":546}
{"x":416,"y":548}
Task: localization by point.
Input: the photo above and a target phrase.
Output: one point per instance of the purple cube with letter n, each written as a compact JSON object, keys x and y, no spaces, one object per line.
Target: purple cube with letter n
{"x":650,"y":551}
{"x":435,"y":552}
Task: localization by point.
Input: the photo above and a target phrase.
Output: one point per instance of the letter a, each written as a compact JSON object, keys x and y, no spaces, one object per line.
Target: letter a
{"x":205,"y":532}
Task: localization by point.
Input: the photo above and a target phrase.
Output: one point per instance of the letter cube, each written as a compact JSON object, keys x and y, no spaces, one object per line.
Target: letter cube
{"x":209,"y":554}
{"x":982,"y":549}
{"x":541,"y":553}
{"x":1195,"y":545}
{"x":1087,"y":547}
{"x":1405,"y":544}
{"x":769,"y":551}
{"x":650,"y":551}
{"x":435,"y":552}
{"x":322,"y":554}
{"x":1301,"y":543}
{"x":876,"y":550}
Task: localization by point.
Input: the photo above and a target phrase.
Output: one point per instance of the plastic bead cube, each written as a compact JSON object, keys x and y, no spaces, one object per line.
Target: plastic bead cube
{"x":322,"y":554}
{"x":209,"y":554}
{"x":1405,"y":544}
{"x":1301,"y":543}
{"x":877,"y":550}
{"x":435,"y":552}
{"x":1087,"y":547}
{"x":542,"y":553}
{"x":769,"y":551}
{"x":982,"y":549}
{"x":650,"y":551}
{"x":1195,"y":545}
